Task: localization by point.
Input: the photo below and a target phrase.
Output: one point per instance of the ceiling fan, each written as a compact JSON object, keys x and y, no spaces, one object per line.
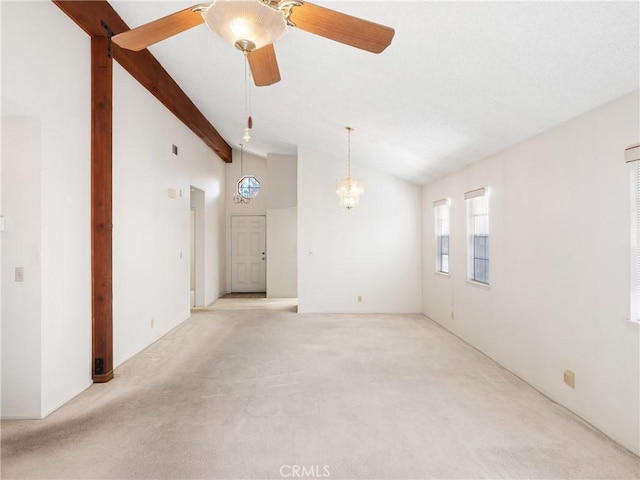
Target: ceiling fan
{"x":254,"y":25}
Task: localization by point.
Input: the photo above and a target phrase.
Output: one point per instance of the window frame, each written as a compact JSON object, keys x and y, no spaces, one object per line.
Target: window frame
{"x":478,"y":235}
{"x":632,"y":158}
{"x":248,"y":187}
{"x":439,"y":207}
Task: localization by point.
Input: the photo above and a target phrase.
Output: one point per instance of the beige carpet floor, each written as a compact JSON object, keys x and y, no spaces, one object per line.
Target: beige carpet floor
{"x":250,"y":389}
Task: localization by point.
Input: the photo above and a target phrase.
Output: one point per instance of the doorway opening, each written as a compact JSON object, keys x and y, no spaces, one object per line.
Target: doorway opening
{"x":196,"y":242}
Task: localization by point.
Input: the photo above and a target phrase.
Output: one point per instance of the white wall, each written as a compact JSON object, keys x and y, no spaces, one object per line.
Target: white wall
{"x":54,"y":244}
{"x":21,"y":246}
{"x":253,"y":165}
{"x":151,"y":241}
{"x":283,"y":181}
{"x":282,"y":226}
{"x":278,"y":195}
{"x":559,"y":294}
{"x":282,"y":251}
{"x":373,"y":251}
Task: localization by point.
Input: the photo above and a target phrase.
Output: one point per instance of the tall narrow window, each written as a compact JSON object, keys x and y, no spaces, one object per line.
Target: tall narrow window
{"x":632,"y":156}
{"x":478,"y":235}
{"x":441,"y":215}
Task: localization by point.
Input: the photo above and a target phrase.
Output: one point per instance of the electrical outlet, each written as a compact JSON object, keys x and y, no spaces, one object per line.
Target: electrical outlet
{"x":452,"y":316}
{"x":570,"y":378}
{"x":19,"y":274}
{"x":152,"y":323}
{"x":359,"y":298}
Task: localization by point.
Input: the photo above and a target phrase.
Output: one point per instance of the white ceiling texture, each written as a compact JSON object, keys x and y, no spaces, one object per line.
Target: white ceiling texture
{"x":460,"y":80}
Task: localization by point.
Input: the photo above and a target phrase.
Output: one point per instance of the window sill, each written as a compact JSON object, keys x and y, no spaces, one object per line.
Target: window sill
{"x":479,"y":284}
{"x":632,"y":321}
{"x":442,"y":274}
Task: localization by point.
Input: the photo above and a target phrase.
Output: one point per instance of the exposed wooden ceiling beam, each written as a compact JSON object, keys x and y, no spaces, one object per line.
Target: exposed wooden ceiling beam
{"x":91,"y":16}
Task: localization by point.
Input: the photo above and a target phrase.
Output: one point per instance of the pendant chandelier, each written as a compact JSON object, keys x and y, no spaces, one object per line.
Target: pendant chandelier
{"x":349,"y":190}
{"x":248,"y":185}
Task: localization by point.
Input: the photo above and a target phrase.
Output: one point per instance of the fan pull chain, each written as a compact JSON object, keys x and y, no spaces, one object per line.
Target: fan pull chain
{"x":349,"y":129}
{"x":247,"y":100}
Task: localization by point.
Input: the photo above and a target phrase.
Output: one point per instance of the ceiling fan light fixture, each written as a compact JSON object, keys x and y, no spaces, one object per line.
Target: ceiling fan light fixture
{"x":247,"y":24}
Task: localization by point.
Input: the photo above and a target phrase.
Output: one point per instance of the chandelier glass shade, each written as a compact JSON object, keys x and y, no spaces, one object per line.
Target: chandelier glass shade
{"x":349,"y":190}
{"x":247,"y":24}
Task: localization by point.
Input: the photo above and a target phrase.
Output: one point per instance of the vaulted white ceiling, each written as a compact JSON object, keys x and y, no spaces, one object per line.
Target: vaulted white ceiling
{"x":460,"y":81}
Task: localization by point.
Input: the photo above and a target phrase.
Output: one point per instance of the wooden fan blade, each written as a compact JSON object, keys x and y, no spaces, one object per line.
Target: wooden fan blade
{"x":342,"y":28}
{"x":264,"y":66}
{"x":141,"y":37}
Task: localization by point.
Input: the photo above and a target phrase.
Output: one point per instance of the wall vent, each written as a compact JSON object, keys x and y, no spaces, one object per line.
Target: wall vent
{"x":174,"y":149}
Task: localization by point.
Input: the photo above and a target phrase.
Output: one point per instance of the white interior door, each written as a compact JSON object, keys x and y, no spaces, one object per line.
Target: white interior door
{"x":248,"y":254}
